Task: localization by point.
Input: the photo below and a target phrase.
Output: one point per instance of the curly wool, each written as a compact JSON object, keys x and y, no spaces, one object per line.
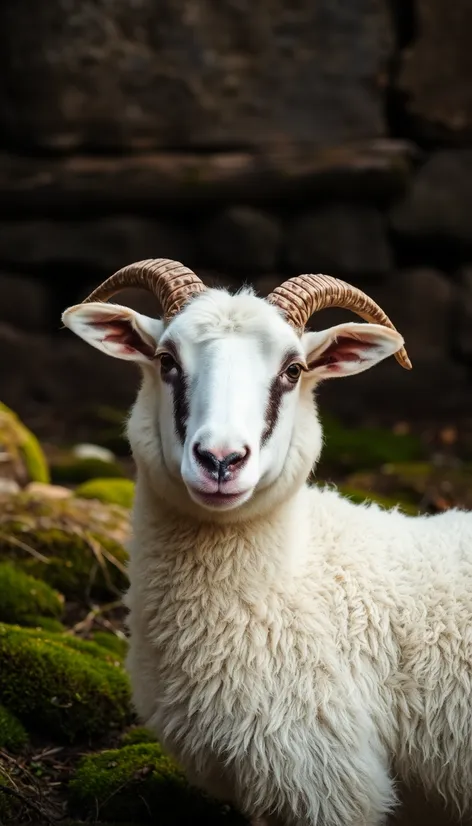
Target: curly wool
{"x":294,"y":666}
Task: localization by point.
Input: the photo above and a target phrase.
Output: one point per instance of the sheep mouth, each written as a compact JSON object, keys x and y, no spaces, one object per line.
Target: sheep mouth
{"x":218,"y":499}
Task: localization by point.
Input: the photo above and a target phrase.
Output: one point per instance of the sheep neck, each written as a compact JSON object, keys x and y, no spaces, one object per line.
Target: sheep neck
{"x":240,"y":556}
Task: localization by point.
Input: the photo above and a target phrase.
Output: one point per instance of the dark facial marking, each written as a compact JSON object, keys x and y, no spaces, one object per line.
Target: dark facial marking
{"x":177,"y":381}
{"x":277,"y":390}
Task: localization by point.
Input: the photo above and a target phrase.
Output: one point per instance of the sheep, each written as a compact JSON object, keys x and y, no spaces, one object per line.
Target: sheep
{"x":297,"y":653}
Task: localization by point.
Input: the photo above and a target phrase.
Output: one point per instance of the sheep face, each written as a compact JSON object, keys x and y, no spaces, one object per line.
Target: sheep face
{"x":224,"y":423}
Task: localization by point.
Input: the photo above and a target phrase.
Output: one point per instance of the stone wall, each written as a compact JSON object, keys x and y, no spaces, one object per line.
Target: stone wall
{"x":252,"y":142}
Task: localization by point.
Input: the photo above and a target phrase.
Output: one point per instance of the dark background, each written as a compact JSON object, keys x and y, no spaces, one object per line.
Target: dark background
{"x":252,"y":141}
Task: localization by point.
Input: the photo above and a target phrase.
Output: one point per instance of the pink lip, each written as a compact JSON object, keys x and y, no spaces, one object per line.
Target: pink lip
{"x":217,"y":498}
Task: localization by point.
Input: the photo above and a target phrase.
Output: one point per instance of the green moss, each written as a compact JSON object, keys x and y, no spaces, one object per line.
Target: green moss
{"x":114,"y":491}
{"x":363,"y":448}
{"x":75,"y":545}
{"x":418,"y":486}
{"x":90,"y":647}
{"x":13,"y":735}
{"x":360,"y":496}
{"x":24,"y":599}
{"x":74,"y":470}
{"x":26,"y":459}
{"x":69,"y":694}
{"x":140,"y":783}
{"x":137,"y":735}
{"x":116,"y":645}
{"x":45,"y":624}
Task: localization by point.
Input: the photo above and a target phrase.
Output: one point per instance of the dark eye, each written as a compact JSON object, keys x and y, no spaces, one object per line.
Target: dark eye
{"x":168,"y":363}
{"x":293,"y":372}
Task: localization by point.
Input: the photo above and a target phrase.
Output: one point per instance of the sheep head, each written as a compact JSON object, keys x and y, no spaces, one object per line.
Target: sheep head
{"x":225,"y":413}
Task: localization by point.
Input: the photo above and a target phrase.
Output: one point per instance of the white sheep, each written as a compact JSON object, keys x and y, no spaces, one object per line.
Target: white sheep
{"x":296,"y":652}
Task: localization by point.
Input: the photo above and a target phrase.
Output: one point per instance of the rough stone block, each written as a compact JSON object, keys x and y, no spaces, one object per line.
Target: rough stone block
{"x":241,"y":239}
{"x":24,"y":302}
{"x":420,"y":304}
{"x":438,"y":206}
{"x":140,"y":73}
{"x":462,"y":328}
{"x":341,"y":239}
{"x":436,"y":70}
{"x":94,"y":183}
{"x":103,"y":245}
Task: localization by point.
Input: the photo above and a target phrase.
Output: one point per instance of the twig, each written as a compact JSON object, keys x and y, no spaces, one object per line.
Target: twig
{"x":28,"y":803}
{"x":93,"y":614}
{"x":24,"y":547}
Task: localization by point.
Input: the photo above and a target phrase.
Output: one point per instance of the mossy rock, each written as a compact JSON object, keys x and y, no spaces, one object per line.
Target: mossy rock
{"x":61,"y":687}
{"x":13,"y":736}
{"x":24,"y":600}
{"x":360,"y":496}
{"x":45,"y":624}
{"x":75,"y":470}
{"x":365,"y":448}
{"x":111,"y":642}
{"x":75,"y":545}
{"x":89,"y":647}
{"x":418,"y":486}
{"x":113,"y":491}
{"x":141,"y":783}
{"x":25,"y":460}
{"x":136,"y":736}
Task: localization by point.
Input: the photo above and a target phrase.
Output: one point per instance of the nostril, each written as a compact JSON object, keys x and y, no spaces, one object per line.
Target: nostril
{"x":206,"y":459}
{"x":234,"y":459}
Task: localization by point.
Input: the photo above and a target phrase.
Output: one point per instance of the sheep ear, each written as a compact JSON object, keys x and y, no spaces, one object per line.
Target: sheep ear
{"x":348,"y":349}
{"x":115,"y":330}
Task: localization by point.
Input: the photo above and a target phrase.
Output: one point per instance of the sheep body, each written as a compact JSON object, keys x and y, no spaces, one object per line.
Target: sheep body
{"x":296,"y":652}
{"x":296,"y":665}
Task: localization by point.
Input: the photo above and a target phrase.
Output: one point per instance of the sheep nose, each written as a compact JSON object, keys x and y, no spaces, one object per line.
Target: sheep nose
{"x":220,"y":467}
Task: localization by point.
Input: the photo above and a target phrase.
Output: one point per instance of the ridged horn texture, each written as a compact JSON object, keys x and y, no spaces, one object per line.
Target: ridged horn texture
{"x":303,"y":295}
{"x":168,"y":280}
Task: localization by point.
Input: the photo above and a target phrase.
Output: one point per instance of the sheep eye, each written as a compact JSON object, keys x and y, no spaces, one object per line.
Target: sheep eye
{"x":293,"y":372}
{"x":168,"y":363}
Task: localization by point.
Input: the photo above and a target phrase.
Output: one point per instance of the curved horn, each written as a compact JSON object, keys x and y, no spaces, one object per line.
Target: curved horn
{"x":304,"y":295}
{"x":168,"y":280}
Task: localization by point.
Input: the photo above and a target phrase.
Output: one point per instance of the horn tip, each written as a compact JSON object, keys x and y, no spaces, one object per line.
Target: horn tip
{"x":404,"y":360}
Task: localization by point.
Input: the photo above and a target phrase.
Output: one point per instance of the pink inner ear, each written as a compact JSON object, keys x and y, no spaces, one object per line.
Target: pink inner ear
{"x":343,"y":349}
{"x":123,"y":334}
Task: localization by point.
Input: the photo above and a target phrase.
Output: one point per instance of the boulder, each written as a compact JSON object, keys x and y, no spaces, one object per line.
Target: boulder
{"x":99,"y":246}
{"x":420,"y":304}
{"x":438,"y":207}
{"x":25,"y":600}
{"x":74,"y":545}
{"x":436,"y":71}
{"x":140,"y":74}
{"x":112,"y":491}
{"x":141,"y":783}
{"x":341,"y":239}
{"x":86,"y":183}
{"x":34,"y":385}
{"x":241,"y":239}
{"x":62,"y":686}
{"x":21,"y":456}
{"x":462,"y":327}
{"x":24,"y":302}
